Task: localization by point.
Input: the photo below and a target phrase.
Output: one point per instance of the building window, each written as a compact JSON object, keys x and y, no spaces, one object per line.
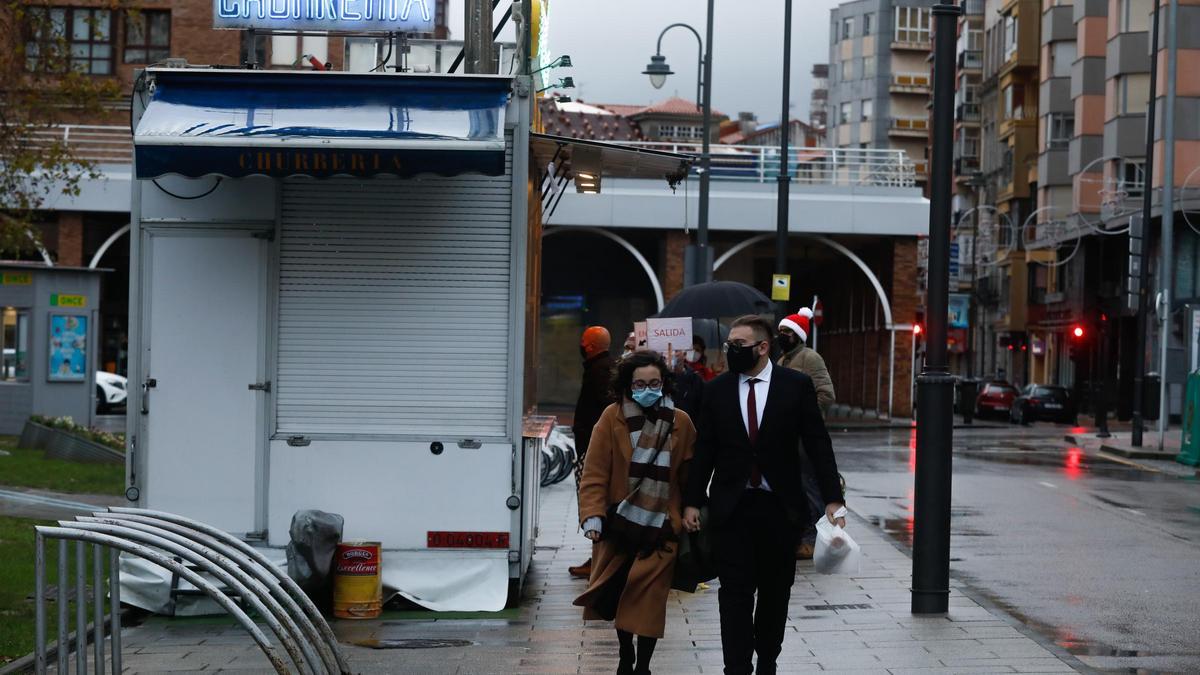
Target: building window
{"x":844,"y":113}
{"x":1133,"y":93}
{"x":1132,"y":177}
{"x":847,"y":70}
{"x":969,"y":143}
{"x":253,"y":42}
{"x":867,"y":23}
{"x":1010,"y":36}
{"x":1060,"y":127}
{"x":75,"y":37}
{"x":912,"y":24}
{"x":868,"y":67}
{"x":1134,"y":15}
{"x":868,"y":109}
{"x":14,"y":344}
{"x":1062,"y":57}
{"x":847,"y":28}
{"x":147,"y":36}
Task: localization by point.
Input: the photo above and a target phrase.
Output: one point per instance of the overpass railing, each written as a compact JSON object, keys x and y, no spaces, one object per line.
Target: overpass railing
{"x":746,"y":163}
{"x":806,"y":166}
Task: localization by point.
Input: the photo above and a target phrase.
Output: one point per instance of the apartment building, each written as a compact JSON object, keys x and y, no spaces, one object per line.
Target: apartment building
{"x":818,"y":105}
{"x":879,"y":76}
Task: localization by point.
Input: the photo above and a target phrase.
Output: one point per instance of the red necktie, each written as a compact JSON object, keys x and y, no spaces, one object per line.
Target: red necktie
{"x":752,"y":428}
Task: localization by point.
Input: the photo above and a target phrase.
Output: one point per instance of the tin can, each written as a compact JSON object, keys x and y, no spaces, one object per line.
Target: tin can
{"x":357,"y":581}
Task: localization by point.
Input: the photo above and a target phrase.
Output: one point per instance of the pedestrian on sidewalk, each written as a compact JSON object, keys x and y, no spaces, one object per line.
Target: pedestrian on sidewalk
{"x":752,"y":420}
{"x":697,"y":359}
{"x":630,"y":503}
{"x":594,"y":396}
{"x":792,"y":341}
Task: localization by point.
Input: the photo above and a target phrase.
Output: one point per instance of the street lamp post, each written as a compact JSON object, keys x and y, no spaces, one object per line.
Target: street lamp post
{"x":785,"y":128}
{"x":699,"y":254}
{"x":935,"y":386}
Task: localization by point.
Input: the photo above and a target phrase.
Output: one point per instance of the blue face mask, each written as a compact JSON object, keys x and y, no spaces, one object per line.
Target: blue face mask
{"x":647,"y":397}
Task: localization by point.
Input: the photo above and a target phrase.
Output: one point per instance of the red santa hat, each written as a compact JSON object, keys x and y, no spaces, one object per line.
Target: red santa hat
{"x":798,"y":323}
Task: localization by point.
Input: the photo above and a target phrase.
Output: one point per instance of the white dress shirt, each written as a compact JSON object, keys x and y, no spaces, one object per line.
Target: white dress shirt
{"x":760,"y":404}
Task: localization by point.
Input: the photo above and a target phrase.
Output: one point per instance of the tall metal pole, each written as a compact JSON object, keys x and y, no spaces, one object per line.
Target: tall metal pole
{"x":785,"y":128}
{"x":1143,"y":290}
{"x":1166,"y":262}
{"x":971,"y":299}
{"x":935,"y":386}
{"x":705,"y":257}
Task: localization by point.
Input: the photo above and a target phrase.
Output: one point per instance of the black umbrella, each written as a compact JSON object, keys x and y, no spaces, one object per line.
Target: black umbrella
{"x":717,"y":299}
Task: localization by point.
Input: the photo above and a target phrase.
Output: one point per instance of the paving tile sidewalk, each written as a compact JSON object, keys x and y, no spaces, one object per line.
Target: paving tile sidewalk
{"x":874,"y":633}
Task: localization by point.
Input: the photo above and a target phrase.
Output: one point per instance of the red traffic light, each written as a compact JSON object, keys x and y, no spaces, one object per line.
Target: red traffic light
{"x":1077,"y":331}
{"x":917,"y":329}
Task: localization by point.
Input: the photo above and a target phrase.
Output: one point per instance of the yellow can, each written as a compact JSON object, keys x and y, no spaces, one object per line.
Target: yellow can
{"x":357,"y":581}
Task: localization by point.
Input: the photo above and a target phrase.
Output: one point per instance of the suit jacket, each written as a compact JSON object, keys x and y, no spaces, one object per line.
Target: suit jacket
{"x":791,"y":420}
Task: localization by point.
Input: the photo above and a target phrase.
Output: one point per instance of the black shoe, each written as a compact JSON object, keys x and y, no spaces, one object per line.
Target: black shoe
{"x":625,"y":667}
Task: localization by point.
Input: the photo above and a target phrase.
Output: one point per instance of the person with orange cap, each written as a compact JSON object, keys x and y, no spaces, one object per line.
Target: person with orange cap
{"x":594,"y":397}
{"x":793,"y":334}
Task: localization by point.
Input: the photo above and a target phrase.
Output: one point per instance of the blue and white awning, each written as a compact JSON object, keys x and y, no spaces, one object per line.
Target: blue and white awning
{"x":241,"y":123}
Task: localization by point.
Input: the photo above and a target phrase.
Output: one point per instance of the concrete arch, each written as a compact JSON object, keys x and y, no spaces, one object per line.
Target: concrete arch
{"x":862,"y":265}
{"x":658,"y":292}
{"x":107,"y":244}
{"x":41,"y":249}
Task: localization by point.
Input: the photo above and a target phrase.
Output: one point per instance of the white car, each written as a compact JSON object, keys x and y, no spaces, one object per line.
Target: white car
{"x":110,"y":391}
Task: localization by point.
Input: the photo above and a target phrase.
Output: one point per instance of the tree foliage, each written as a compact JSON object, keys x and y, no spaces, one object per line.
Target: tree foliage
{"x":42,"y":89}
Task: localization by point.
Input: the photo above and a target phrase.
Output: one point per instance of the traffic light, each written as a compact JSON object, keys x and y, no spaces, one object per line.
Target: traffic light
{"x":1076,"y":341}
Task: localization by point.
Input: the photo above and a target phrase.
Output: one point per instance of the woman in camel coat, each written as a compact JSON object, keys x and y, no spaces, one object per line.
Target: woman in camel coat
{"x":629,"y":505}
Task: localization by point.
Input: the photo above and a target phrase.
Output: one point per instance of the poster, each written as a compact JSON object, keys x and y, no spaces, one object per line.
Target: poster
{"x":68,"y":348}
{"x":959,"y":310}
{"x":639,"y":334}
{"x":674,"y":333}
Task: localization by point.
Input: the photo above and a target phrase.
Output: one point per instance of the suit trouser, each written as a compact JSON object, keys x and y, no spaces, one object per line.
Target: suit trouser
{"x":755,"y":552}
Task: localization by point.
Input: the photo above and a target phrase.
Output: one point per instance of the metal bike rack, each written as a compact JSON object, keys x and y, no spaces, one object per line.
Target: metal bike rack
{"x":181,"y":546}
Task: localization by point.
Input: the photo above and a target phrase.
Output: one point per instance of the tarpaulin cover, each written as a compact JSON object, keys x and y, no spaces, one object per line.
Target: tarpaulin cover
{"x":442,"y":581}
{"x":240,"y":123}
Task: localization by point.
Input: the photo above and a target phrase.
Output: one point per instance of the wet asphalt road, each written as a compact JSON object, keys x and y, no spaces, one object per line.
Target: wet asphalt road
{"x":1100,"y":557}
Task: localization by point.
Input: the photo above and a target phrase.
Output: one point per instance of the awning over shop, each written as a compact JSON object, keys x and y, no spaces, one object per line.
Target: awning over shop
{"x":200,"y":122}
{"x":572,"y":157}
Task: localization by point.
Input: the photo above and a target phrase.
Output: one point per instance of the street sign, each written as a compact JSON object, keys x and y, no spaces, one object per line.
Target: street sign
{"x":818,"y":316}
{"x":378,"y":16}
{"x":781,"y":287}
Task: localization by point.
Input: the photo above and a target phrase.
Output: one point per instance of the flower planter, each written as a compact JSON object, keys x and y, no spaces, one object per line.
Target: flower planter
{"x":59,"y":444}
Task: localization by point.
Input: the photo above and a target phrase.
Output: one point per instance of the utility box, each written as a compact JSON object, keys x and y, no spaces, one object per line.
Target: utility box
{"x":1189,"y":449}
{"x":49,"y":318}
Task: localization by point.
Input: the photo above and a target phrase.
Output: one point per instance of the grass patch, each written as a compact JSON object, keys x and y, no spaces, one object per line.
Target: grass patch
{"x":17,"y":585}
{"x":30,"y":469}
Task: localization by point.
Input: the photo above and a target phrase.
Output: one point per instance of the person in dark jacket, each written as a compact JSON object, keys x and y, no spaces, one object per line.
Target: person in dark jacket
{"x":594,"y":396}
{"x":752,"y":421}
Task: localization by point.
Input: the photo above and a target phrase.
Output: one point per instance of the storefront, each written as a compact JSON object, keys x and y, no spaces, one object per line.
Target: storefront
{"x":48,"y":343}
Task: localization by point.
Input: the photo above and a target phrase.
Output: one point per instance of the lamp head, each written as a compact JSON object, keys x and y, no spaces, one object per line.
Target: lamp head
{"x":658,"y":70}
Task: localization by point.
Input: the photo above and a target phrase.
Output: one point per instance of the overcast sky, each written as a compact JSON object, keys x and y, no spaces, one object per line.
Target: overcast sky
{"x":611,"y":41}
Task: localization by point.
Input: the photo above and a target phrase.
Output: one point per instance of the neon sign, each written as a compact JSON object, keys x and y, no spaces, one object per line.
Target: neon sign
{"x":401,"y":16}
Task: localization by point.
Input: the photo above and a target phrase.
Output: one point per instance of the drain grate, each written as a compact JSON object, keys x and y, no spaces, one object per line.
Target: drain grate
{"x":415,"y":643}
{"x":817,"y":608}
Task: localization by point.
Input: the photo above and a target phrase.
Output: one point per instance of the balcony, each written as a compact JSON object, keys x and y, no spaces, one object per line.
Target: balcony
{"x":911,"y":39}
{"x":971,"y":59}
{"x":965,"y":168}
{"x":967,"y":113}
{"x":910,"y":83}
{"x":909,"y":127}
{"x":89,"y":143}
{"x":1020,"y":118}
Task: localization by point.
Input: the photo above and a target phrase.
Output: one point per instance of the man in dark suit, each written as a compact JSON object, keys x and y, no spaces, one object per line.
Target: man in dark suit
{"x":752,"y":421}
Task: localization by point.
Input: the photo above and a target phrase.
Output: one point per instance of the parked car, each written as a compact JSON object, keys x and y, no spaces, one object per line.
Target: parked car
{"x":1043,"y":402}
{"x":995,"y":399}
{"x":110,"y":392}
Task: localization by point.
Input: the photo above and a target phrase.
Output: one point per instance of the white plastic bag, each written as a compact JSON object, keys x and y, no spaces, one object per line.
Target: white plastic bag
{"x":836,"y":552}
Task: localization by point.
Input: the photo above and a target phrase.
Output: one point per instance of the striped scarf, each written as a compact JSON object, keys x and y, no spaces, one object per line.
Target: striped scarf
{"x":640,"y":521}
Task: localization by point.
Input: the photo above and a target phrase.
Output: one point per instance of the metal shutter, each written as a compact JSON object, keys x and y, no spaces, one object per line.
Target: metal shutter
{"x":394,"y":312}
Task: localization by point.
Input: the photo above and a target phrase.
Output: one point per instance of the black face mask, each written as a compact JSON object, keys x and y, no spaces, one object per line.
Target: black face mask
{"x":786,"y":343}
{"x":741,"y":359}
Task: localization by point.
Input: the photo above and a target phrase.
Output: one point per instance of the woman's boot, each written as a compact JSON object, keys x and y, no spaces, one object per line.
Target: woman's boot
{"x":627,"y":655}
{"x":645,"y":652}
